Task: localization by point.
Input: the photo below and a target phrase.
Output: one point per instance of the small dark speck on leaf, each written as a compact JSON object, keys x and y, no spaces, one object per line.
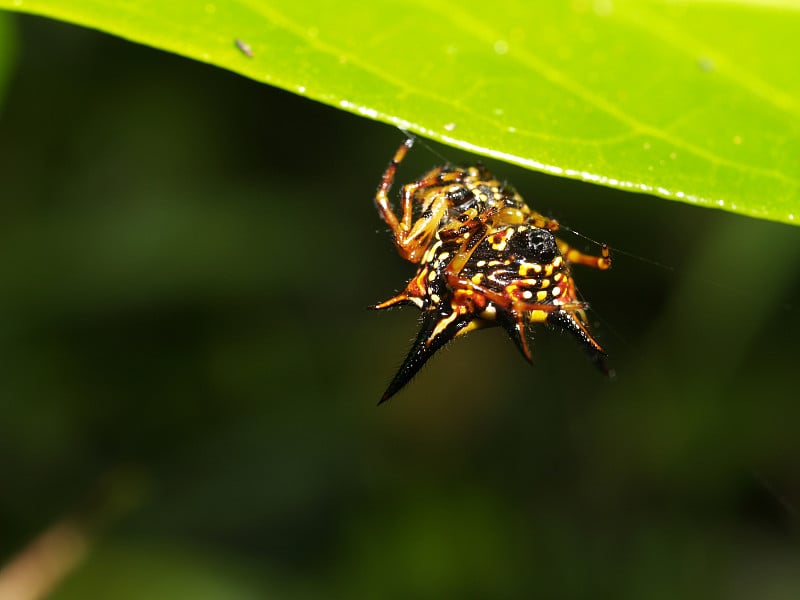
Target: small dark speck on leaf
{"x":705,"y":64}
{"x":245,"y":48}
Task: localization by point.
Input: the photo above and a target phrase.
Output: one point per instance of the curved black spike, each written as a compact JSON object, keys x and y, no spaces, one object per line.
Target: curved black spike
{"x":427,"y":344}
{"x":515,"y":328}
{"x":570,"y":322}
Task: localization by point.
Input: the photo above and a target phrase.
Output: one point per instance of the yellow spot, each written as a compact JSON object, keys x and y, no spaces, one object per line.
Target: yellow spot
{"x":473,"y":325}
{"x":541,"y":296}
{"x":436,"y":299}
{"x":538,"y":316}
{"x":499,"y":246}
{"x":545,"y":283}
{"x":494,"y":263}
{"x":441,"y":326}
{"x":444,"y":256}
{"x":477,"y":278}
{"x":557,"y":261}
{"x":558,"y":276}
{"x":537,"y":268}
{"x":548,"y":270}
{"x":431,"y":275}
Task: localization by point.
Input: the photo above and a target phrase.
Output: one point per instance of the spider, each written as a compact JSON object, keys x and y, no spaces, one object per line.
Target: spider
{"x":485,"y":259}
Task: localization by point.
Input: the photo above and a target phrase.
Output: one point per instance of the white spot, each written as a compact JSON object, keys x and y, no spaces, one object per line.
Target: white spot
{"x":556,"y":291}
{"x":527,"y":294}
{"x":720,"y":202}
{"x":481,"y":263}
{"x":501,"y":47}
{"x":444,"y":256}
{"x":490,"y":312}
{"x":498,"y":111}
{"x":435,"y":298}
{"x":449,"y":126}
{"x":431,"y":275}
{"x":511,"y":129}
{"x":791,"y":216}
{"x":367,"y":112}
{"x":301,"y":89}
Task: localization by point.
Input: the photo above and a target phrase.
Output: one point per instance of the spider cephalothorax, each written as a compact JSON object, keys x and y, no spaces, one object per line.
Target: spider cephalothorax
{"x":485,"y":259}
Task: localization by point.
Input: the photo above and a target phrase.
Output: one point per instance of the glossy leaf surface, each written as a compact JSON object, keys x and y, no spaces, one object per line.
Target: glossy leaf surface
{"x":696,"y":102}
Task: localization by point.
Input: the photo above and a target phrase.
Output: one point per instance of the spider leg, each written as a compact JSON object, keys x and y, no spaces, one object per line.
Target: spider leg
{"x":515,"y":328}
{"x":382,"y":195}
{"x":412,"y":240}
{"x":517,"y":306}
{"x":412,"y":237}
{"x":574,"y":256}
{"x":539,"y":220}
{"x":398,"y":300}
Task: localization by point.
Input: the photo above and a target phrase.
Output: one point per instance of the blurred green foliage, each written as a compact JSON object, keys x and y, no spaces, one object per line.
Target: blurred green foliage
{"x":186,"y":361}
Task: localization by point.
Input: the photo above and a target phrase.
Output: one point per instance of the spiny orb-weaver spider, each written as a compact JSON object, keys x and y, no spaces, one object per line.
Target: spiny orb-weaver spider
{"x":485,"y":259}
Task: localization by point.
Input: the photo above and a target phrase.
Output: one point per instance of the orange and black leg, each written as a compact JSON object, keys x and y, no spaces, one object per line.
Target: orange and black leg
{"x":574,"y":256}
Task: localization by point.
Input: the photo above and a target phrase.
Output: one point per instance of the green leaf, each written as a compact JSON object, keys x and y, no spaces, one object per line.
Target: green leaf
{"x":692,"y":101}
{"x":7,"y":51}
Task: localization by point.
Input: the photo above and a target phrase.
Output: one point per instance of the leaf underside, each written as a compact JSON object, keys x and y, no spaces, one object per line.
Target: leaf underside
{"x":697,"y":102}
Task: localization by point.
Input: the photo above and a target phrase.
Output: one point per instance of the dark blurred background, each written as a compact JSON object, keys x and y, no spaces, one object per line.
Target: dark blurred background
{"x":188,"y":371}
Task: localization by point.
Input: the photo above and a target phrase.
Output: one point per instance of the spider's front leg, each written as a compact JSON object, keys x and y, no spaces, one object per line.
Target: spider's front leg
{"x":413,"y":237}
{"x":410,"y":242}
{"x":382,"y":195}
